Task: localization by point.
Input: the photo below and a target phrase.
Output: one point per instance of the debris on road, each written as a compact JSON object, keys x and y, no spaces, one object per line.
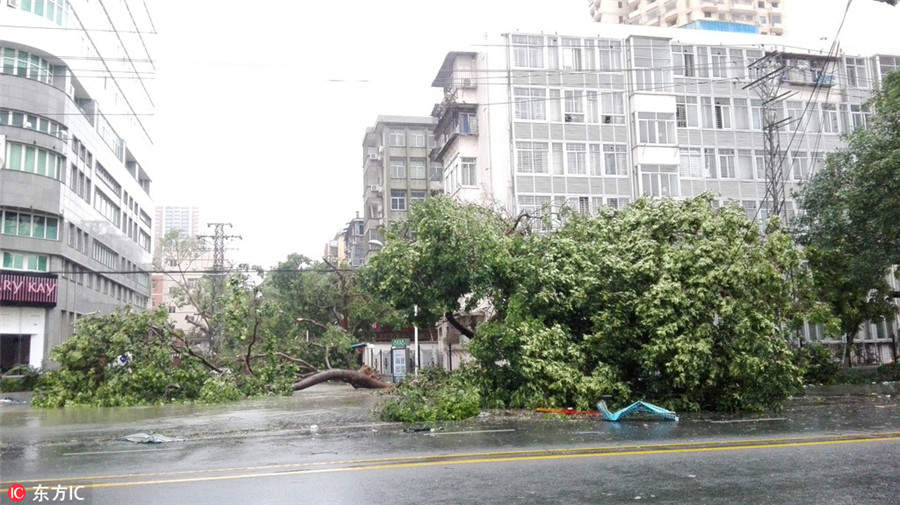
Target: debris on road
{"x":635,"y":407}
{"x":147,"y":438}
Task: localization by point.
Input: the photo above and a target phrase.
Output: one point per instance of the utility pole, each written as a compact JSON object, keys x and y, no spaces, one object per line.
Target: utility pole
{"x":218,"y":276}
{"x":770,"y":69}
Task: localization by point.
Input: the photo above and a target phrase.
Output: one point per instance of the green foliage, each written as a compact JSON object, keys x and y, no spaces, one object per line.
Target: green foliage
{"x":528,"y":365}
{"x":219,"y":389}
{"x":889,"y":372}
{"x":435,"y":395}
{"x":679,"y":303}
{"x":817,"y":364}
{"x":25,"y":377}
{"x":851,"y":209}
{"x":447,"y":252}
{"x":90,"y":372}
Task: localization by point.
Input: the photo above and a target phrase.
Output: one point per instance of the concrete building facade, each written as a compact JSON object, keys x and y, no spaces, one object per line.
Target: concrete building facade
{"x":756,"y":16}
{"x":397,"y":172}
{"x":74,"y":188}
{"x":588,"y":121}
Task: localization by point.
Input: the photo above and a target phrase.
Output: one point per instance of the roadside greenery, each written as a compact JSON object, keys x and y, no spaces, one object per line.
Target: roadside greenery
{"x":849,"y":222}
{"x":433,"y":395}
{"x":679,"y":303}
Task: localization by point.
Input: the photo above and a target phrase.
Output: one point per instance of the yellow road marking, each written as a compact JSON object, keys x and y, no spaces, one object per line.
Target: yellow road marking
{"x":463,"y":459}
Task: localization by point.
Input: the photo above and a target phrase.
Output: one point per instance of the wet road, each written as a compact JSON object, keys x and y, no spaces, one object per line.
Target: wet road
{"x":823,"y":448}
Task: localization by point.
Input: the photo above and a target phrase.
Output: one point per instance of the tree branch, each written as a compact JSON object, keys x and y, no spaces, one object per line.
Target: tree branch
{"x":314,"y":323}
{"x":456,"y":324}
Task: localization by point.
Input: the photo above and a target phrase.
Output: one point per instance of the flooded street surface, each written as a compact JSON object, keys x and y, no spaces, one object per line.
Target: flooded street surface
{"x":326,"y":445}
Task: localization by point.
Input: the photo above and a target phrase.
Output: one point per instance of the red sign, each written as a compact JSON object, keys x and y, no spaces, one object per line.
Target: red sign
{"x":24,"y":289}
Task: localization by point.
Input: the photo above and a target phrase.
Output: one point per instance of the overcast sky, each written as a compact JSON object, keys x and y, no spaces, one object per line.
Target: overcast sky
{"x":261,"y":107}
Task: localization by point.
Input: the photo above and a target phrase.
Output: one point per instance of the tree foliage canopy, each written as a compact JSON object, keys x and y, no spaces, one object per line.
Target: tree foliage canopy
{"x":850,"y":213}
{"x":675,"y":302}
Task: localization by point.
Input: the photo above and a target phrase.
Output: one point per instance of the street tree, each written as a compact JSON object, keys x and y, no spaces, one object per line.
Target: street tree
{"x":850,"y":210}
{"x":446,"y":259}
{"x":678,"y":302}
{"x":182,"y":261}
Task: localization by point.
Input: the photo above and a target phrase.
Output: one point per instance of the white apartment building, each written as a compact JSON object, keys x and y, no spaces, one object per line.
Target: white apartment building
{"x":588,"y":121}
{"x":75,"y":202}
{"x":753,"y":16}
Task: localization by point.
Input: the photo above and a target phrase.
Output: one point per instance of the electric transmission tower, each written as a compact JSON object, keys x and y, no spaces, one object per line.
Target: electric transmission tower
{"x":218,"y":276}
{"x":770,"y":70}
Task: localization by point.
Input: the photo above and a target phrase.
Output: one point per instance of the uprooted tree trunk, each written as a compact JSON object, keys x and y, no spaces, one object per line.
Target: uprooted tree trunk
{"x":362,"y":378}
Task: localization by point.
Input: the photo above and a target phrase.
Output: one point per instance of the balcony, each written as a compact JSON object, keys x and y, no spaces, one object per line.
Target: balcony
{"x":743,"y":6}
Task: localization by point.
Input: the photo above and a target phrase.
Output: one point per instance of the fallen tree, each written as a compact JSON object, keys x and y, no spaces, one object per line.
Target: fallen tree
{"x":365,"y":378}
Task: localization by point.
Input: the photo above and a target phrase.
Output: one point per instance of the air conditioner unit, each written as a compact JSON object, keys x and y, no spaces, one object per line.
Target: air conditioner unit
{"x":375,"y":187}
{"x":373,"y":156}
{"x":13,"y":3}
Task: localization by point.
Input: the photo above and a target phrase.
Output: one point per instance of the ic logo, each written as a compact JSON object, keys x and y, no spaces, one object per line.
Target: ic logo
{"x":16,"y":492}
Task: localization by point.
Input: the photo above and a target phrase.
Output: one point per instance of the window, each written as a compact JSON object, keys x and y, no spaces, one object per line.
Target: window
{"x":722,"y":113}
{"x":417,"y":169}
{"x":691,"y":163}
{"x":659,"y":180}
{"x":397,"y":138}
{"x":856,"y":72}
{"x":799,"y":166}
{"x":23,"y":64}
{"x":416,"y":196}
{"x":532,"y":157}
{"x":24,"y":261}
{"x":30,"y":122}
{"x":686,"y":114}
{"x":416,"y":139}
{"x":745,"y":164}
{"x":830,"y":122}
{"x":16,"y":351}
{"x":29,"y":225}
{"x":398,"y":168}
{"x":737,"y":63}
{"x":571,"y":54}
{"x":756,"y":113}
{"x":615,"y":159}
{"x":530,"y":103}
{"x":554,"y":112}
{"x":710,"y":163}
{"x":612,"y":105}
{"x":467,"y":173}
{"x":574,"y":106}
{"x":652,"y":62}
{"x":34,"y":160}
{"x":528,"y":51}
{"x":656,"y":128}
{"x":575,"y":158}
{"x":795,"y":110}
{"x":718,"y":62}
{"x":726,"y":164}
{"x":398,"y":200}
{"x":468,"y":123}
{"x":104,"y":255}
{"x":610,"y":54}
{"x":107,"y":208}
{"x":556,"y":158}
{"x":593,"y":107}
{"x":857,"y":116}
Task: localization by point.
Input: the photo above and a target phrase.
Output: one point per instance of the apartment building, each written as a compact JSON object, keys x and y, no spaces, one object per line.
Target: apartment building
{"x":587,"y":121}
{"x":397,"y":171}
{"x":74,"y":189}
{"x":753,"y":16}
